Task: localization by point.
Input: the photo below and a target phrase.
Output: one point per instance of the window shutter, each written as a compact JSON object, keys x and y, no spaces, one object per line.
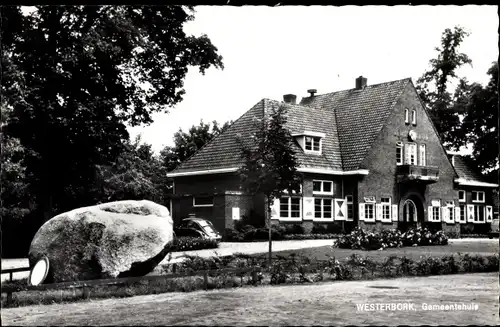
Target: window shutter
{"x":457,"y":214}
{"x":489,"y":214}
{"x":275,"y":209}
{"x":445,"y":214}
{"x":379,"y":211}
{"x":429,"y":213}
{"x":308,"y":208}
{"x":362,"y":211}
{"x":394,"y":212}
{"x":340,"y":208}
{"x":470,"y":213}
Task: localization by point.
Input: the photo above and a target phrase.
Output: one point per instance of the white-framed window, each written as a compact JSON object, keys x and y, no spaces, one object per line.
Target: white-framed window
{"x":411,"y":154}
{"x":386,"y":209}
{"x":203,"y":201}
{"x":422,"y":155}
{"x":450,"y":206}
{"x":290,"y":207}
{"x":435,"y":211}
{"x":462,"y":215}
{"x":370,"y":211}
{"x":478,"y":196}
{"x":312,"y":144}
{"x":399,"y":153}
{"x":350,"y":207}
{"x":323,"y":208}
{"x":414,"y":117}
{"x":407,"y":116}
{"x":322,"y":187}
{"x":479,"y":213}
{"x":461,"y":196}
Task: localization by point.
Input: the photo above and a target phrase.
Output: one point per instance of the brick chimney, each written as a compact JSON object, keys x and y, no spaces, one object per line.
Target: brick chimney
{"x":312,"y":92}
{"x":290,"y":98}
{"x":360,"y":82}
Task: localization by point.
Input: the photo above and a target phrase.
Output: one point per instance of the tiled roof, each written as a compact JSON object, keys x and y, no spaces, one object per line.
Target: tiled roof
{"x":464,"y":171}
{"x":360,"y":115}
{"x":350,"y":119}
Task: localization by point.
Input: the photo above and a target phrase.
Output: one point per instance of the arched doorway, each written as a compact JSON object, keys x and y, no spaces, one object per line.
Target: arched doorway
{"x":412,"y":213}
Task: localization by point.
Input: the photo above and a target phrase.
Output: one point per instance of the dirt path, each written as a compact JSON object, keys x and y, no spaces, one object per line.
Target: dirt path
{"x":319,"y":304}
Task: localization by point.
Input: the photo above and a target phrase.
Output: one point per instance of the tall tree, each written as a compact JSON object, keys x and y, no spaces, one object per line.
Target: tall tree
{"x":480,"y":124}
{"x":270,"y":162}
{"x":187,"y":143}
{"x":433,"y":85}
{"x":75,"y":76}
{"x":136,"y":174}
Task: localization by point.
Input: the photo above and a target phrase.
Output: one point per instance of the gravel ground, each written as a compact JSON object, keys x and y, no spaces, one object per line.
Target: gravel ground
{"x":332,"y":303}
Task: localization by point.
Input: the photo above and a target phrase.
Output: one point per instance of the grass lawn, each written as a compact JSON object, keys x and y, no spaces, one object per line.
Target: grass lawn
{"x":321,"y":253}
{"x":332,"y":303}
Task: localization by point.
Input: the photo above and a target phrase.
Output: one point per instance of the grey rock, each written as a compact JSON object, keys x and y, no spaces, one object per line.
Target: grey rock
{"x":115,"y":239}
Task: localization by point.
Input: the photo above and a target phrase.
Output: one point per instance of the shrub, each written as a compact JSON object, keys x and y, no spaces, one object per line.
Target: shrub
{"x":231,"y":235}
{"x":293,"y":229}
{"x":390,"y":238}
{"x":193,"y":243}
{"x":319,"y":229}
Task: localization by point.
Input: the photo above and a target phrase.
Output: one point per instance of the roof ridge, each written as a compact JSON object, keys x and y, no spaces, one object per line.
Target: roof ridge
{"x":385,"y":120}
{"x":217,"y":136}
{"x":368,"y":86}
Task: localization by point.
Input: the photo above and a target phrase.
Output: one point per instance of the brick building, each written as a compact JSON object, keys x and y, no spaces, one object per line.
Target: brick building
{"x":370,"y":157}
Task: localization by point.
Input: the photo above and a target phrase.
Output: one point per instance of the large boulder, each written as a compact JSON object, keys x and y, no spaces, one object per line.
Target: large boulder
{"x":115,"y":239}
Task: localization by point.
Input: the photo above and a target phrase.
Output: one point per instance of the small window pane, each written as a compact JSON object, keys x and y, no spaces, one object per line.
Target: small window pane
{"x":316,"y":186}
{"x":203,"y":200}
{"x":327,"y":186}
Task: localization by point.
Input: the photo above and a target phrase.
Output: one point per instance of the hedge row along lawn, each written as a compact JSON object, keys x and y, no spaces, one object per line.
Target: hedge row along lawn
{"x":297,"y":266}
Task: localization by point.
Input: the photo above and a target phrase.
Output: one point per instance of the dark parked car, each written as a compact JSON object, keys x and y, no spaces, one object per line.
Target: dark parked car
{"x":197,"y":227}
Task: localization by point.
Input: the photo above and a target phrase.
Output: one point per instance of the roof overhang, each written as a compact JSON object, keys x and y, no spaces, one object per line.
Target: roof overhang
{"x":467,"y":182}
{"x":204,"y":172}
{"x":332,"y":172}
{"x":309,"y":133}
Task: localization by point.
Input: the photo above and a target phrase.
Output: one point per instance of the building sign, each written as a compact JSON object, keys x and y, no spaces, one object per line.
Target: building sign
{"x":308,"y":208}
{"x":236,"y":213}
{"x":369,"y":199}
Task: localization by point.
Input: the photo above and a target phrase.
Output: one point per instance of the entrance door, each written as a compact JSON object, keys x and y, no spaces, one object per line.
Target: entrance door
{"x":410,"y":215}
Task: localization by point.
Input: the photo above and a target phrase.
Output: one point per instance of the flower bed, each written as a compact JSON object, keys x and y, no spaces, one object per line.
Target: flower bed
{"x":360,"y":239}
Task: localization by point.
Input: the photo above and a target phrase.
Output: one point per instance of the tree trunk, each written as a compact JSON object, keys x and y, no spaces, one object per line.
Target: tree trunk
{"x":270,"y":230}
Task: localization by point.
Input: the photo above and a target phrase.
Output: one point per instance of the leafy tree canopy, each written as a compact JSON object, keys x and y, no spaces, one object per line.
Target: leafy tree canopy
{"x":432,"y":86}
{"x":75,"y":76}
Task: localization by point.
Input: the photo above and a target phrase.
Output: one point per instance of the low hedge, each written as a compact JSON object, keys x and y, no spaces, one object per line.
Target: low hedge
{"x":311,"y":236}
{"x":284,"y":270}
{"x":184,"y":243}
{"x":366,"y":240}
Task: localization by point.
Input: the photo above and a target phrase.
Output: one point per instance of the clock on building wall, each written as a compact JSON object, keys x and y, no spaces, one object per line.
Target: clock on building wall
{"x":412,"y":135}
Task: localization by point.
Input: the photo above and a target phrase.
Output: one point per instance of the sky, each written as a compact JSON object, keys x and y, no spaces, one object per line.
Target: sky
{"x":272,"y":51}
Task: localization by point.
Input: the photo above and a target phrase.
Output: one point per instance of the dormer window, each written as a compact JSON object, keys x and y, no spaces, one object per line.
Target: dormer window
{"x":310,"y":142}
{"x":313,"y":143}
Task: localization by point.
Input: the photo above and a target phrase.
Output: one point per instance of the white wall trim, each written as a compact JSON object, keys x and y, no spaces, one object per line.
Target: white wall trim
{"x":332,"y":172}
{"x":310,"y":133}
{"x":204,"y":172}
{"x":465,"y":182}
